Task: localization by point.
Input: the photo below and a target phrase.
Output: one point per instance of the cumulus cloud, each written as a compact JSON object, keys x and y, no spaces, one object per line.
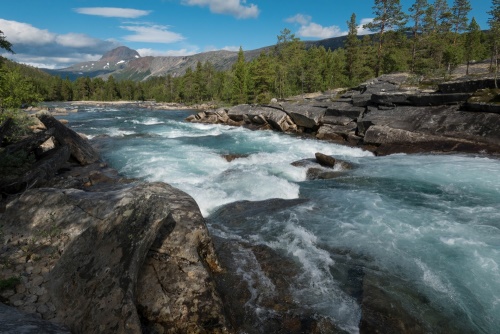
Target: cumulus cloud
{"x":151,"y":33}
{"x":113,"y":12}
{"x":42,"y":48}
{"x":236,"y":8}
{"x":24,"y":33}
{"x":314,"y":30}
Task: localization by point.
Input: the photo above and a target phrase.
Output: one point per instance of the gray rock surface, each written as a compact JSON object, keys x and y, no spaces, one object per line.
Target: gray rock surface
{"x":99,"y":249}
{"x":408,"y":120}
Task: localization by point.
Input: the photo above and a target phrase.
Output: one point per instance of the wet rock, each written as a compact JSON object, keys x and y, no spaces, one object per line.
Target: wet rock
{"x":257,"y":292}
{"x":325,"y":160}
{"x":13,"y":321}
{"x":232,"y":157}
{"x":317,"y":172}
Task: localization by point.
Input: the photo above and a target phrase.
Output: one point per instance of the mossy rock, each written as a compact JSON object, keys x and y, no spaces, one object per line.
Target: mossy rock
{"x":486,"y":96}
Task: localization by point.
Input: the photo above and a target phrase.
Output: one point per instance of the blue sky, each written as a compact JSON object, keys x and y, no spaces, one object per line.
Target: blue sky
{"x":59,"y":33}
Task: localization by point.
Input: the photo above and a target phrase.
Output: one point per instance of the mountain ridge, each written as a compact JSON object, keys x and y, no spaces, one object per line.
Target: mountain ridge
{"x":125,"y":63}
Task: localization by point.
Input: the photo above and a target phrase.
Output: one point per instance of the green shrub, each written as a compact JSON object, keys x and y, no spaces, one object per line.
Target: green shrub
{"x":21,"y":123}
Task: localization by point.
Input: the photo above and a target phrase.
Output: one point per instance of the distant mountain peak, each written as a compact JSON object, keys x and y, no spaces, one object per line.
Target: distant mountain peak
{"x":121,"y":53}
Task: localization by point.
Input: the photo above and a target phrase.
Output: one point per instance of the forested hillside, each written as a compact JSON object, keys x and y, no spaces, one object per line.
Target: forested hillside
{"x":429,"y":40}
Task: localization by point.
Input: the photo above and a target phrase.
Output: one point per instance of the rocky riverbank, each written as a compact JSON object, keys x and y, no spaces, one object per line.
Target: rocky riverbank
{"x":385,"y":115}
{"x":86,"y":251}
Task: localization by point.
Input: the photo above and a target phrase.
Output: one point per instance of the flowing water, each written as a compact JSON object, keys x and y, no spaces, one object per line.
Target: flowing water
{"x":424,"y":228}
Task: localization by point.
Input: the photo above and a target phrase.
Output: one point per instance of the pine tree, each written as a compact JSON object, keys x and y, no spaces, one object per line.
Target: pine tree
{"x":472,"y":42}
{"x":436,"y":24}
{"x":388,"y":15}
{"x":352,"y":47}
{"x":418,"y":11}
{"x":460,"y":11}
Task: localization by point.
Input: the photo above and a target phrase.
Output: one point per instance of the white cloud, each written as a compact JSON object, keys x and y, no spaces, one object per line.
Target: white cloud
{"x":151,"y":33}
{"x":75,"y":40}
{"x":42,"y":48}
{"x":236,"y":8}
{"x":113,"y":12}
{"x":300,"y":19}
{"x":24,"y":33}
{"x":314,"y":30}
{"x":317,"y":31}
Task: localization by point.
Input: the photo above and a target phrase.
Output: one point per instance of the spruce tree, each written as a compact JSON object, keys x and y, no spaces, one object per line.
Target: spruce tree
{"x":472,"y":42}
{"x":352,"y":47}
{"x":240,"y":81}
{"x":388,"y":16}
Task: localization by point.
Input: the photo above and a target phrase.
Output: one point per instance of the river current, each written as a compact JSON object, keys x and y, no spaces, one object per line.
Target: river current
{"x":425,"y":229}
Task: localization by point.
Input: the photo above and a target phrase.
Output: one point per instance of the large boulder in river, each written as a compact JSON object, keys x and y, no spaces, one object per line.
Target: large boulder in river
{"x":118,"y":259}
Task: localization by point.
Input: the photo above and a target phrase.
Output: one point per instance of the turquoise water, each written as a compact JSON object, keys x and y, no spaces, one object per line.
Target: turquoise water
{"x":425,"y":228}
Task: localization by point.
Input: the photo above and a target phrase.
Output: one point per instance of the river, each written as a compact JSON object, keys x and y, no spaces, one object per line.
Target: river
{"x":425,"y":229}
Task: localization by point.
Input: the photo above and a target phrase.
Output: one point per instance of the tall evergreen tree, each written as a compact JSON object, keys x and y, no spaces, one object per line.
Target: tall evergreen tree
{"x":472,"y":42}
{"x":418,"y":10}
{"x":388,"y":16}
{"x":240,"y":82}
{"x":352,"y":47}
{"x":460,"y":11}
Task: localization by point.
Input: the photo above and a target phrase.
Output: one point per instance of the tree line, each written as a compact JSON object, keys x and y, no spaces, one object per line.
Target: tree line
{"x":431,"y":39}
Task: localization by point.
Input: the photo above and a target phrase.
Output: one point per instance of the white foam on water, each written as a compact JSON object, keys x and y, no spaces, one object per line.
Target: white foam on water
{"x":147,"y":121}
{"x":315,"y":288}
{"x":116,"y":132}
{"x":433,"y":279}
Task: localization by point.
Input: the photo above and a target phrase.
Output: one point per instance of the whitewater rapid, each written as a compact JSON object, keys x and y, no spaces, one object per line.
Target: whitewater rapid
{"x":420,"y":225}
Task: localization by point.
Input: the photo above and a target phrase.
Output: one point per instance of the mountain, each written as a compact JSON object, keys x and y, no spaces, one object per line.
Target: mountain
{"x":125,"y":63}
